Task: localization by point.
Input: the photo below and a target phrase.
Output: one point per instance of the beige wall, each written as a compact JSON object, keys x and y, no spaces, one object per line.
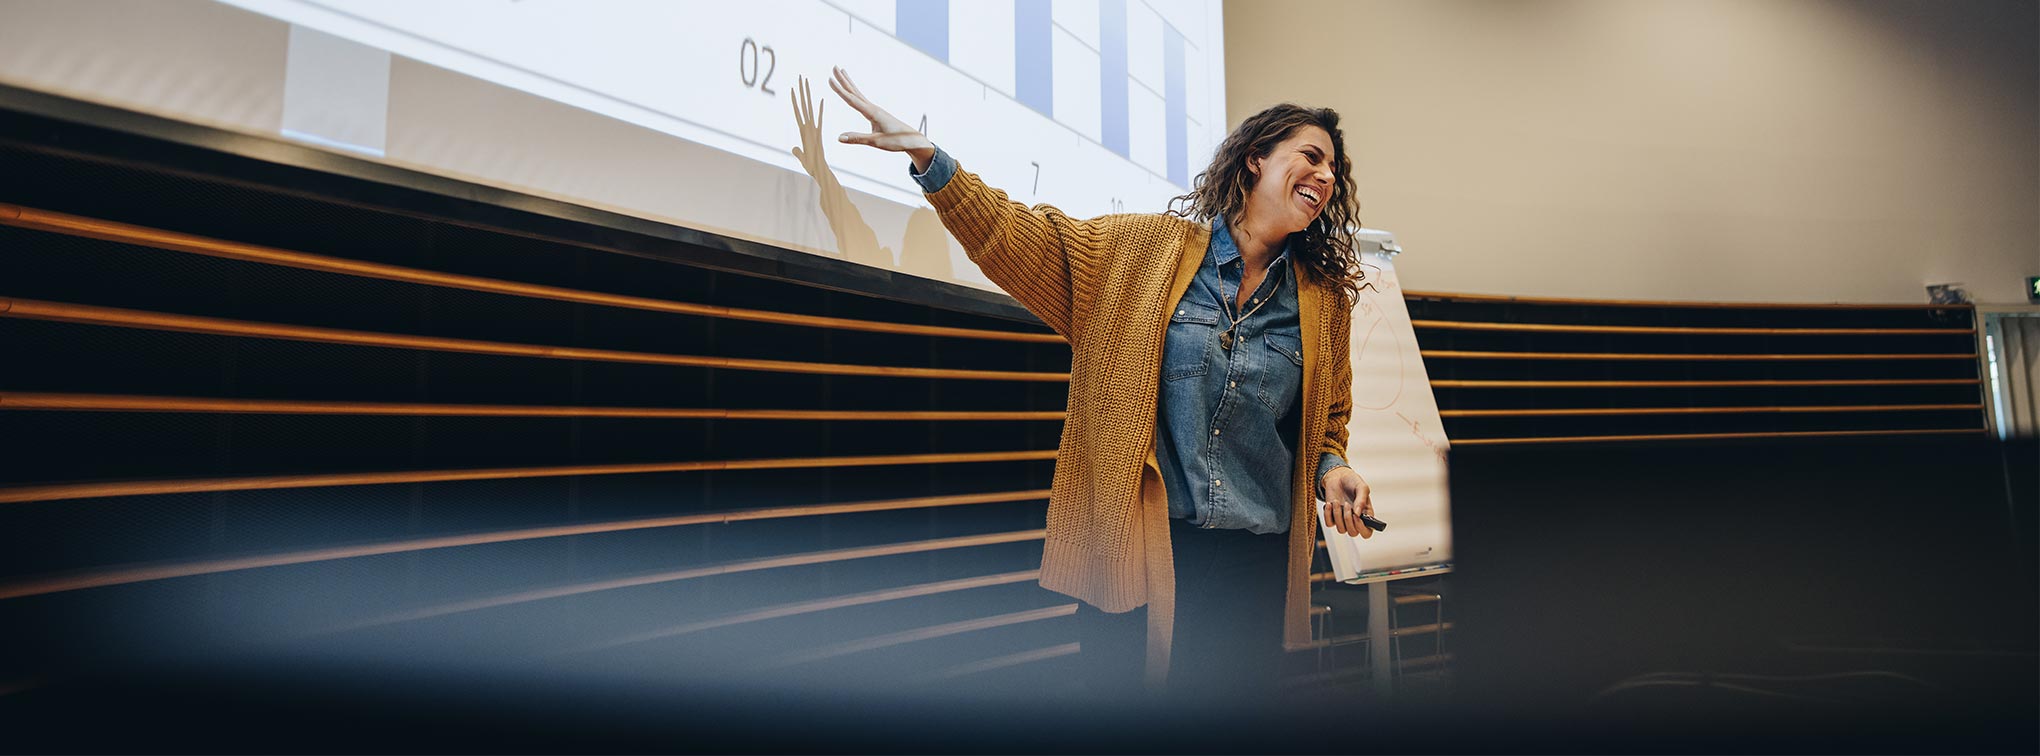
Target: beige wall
{"x":1722,"y":150}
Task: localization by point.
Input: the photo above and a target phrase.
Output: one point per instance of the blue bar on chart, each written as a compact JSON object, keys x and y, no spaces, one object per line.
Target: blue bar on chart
{"x":923,"y":24}
{"x":1033,"y":50}
{"x":1175,"y":111}
{"x":1112,"y":81}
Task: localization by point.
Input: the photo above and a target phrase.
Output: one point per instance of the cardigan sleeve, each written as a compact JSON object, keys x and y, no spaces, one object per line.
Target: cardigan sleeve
{"x":1341,"y":354}
{"x":1037,"y":254}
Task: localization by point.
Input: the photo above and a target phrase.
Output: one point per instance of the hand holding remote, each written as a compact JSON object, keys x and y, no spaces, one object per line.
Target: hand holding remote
{"x":1349,"y":504}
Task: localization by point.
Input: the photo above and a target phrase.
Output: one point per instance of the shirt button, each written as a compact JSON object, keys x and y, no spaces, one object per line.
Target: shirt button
{"x":1179,"y":312}
{"x":1232,"y":384}
{"x":1219,"y":483}
{"x":1214,"y":431}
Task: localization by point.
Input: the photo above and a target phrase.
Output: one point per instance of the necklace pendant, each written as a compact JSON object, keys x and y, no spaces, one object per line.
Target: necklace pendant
{"x":1225,"y":340}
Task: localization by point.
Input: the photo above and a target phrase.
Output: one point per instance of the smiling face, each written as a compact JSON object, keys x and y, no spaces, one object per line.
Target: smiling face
{"x":1293,"y":181}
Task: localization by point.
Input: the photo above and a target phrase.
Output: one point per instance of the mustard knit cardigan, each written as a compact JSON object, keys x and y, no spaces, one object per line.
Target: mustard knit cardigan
{"x":1107,"y":285}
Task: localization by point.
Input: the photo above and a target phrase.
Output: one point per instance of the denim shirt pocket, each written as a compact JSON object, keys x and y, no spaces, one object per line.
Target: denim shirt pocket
{"x":1186,"y":352}
{"x":1282,"y":379}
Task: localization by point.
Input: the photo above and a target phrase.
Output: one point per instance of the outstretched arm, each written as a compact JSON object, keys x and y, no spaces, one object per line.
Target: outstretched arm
{"x":1033,"y":253}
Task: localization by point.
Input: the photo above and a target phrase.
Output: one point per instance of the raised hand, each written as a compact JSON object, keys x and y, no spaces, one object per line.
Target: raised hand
{"x":888,"y":132}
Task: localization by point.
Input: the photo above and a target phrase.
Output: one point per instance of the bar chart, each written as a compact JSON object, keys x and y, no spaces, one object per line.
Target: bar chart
{"x":1058,"y":45}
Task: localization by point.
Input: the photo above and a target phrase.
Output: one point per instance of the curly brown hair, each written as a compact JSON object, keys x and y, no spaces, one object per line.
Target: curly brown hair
{"x":1327,"y":248}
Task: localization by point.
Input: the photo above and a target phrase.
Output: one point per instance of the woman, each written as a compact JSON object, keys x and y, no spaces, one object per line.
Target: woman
{"x":1210,"y":385}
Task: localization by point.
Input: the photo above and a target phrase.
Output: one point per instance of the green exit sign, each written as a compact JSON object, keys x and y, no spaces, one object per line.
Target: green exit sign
{"x":2033,"y":289}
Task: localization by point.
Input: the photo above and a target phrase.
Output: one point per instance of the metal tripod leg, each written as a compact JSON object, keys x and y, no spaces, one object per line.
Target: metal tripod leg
{"x":1378,"y":637}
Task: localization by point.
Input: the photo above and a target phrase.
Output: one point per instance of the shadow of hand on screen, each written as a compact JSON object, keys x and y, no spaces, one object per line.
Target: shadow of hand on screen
{"x":855,"y":238}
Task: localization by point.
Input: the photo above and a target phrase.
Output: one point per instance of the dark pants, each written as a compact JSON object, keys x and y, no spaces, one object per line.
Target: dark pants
{"x":1228,"y":642}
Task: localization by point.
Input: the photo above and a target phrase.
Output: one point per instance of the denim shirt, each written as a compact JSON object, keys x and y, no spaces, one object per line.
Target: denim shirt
{"x":1227,"y":422}
{"x":1226,"y":430}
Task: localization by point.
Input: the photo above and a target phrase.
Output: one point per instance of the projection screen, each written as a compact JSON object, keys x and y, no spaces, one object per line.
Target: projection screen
{"x":680,"y":111}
